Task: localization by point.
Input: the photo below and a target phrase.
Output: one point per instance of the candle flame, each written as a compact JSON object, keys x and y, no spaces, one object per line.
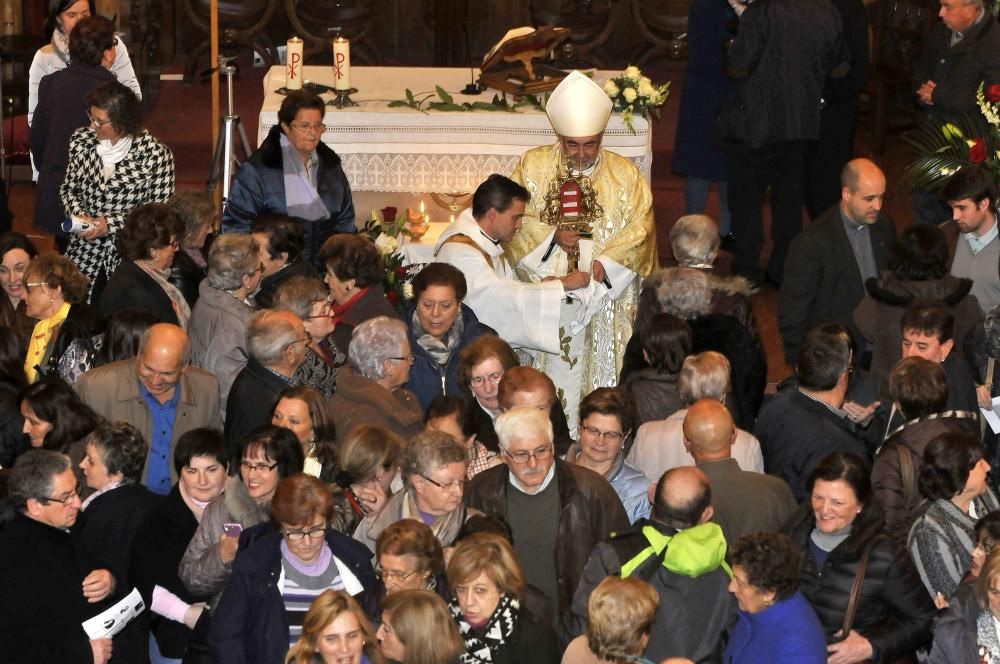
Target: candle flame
{"x":421,"y":208}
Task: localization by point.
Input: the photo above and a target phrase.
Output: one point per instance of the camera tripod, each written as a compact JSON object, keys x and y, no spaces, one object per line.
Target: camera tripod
{"x":224,"y":161}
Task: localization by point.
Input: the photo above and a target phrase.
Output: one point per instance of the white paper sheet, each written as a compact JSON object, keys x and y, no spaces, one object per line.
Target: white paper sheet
{"x":992,"y":415}
{"x":108,"y":623}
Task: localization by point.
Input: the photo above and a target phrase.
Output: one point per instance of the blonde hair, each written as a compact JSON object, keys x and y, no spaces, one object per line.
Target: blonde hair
{"x":424,"y":625}
{"x":489,"y":553}
{"x":324,"y":610}
{"x":619,"y":613}
{"x":990,"y":570}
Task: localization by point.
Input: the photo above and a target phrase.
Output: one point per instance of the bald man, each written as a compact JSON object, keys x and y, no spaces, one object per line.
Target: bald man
{"x":743,"y":501}
{"x":691,"y":577}
{"x":830,"y":260}
{"x":159,"y":393}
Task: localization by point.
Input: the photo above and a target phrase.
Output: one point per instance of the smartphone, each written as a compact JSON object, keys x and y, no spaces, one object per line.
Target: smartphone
{"x":232,"y":529}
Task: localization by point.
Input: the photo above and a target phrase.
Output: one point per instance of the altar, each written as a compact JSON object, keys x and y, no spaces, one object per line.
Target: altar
{"x":408,"y":151}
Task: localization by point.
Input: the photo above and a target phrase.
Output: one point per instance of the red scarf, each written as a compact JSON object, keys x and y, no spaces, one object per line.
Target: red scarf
{"x":339,"y":311}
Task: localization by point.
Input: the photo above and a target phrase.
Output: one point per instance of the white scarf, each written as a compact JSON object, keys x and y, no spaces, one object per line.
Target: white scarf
{"x":112,"y":153}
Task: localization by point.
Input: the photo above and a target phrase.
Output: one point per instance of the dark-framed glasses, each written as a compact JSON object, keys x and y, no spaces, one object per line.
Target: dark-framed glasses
{"x":407,"y":358}
{"x":97,"y":123}
{"x":610,"y":436}
{"x":454,"y":484}
{"x":258,"y":467}
{"x":65,"y":500}
{"x":522,"y":457}
{"x":299,"y":535}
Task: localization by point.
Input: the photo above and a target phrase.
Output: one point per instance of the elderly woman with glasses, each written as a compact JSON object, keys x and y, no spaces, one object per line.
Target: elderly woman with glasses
{"x":219,"y":320}
{"x":370,"y":390}
{"x":293,"y":172}
{"x":410,"y":557}
{"x":55,"y":295}
{"x":433,"y":466}
{"x":267,"y":455}
{"x":279,"y":573}
{"x":368,"y":461}
{"x":114,"y":167}
{"x":607,"y":420}
{"x":309,"y":299}
{"x":148,"y":243}
{"x":481,"y":365}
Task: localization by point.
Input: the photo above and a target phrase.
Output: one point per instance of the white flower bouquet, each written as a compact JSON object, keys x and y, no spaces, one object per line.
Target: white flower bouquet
{"x":634,"y":93}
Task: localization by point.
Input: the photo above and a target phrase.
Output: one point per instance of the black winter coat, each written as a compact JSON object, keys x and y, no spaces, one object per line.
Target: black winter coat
{"x":269,"y":285}
{"x":427,"y":378}
{"x":157,"y":549}
{"x":531,"y":642}
{"x":42,"y":603}
{"x":894,"y":613}
{"x":187,"y":276}
{"x":84,"y":322}
{"x":131,"y":288}
{"x":249,"y":624}
{"x":259,"y":188}
{"x":13,"y":441}
{"x":251,"y":398}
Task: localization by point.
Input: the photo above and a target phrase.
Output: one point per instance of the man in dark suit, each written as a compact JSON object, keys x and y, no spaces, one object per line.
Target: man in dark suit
{"x":829,"y":262}
{"x":743,"y":501}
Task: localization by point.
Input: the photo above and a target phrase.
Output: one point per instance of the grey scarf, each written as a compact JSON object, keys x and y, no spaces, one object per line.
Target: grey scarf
{"x":986,"y":635}
{"x":302,"y":200}
{"x":829,"y":541}
{"x":440,"y":351}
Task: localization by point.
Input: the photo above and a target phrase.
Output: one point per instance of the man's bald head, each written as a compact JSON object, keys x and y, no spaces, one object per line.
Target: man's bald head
{"x":862,"y":191}
{"x":683,"y":498}
{"x":860,"y":170}
{"x":163,"y":354}
{"x":709,"y":430}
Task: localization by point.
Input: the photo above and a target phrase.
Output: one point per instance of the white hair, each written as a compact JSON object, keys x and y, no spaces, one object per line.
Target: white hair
{"x":375,"y":341}
{"x":522,"y":422}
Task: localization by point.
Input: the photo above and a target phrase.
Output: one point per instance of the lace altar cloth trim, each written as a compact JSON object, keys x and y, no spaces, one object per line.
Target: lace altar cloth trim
{"x":404,"y":150}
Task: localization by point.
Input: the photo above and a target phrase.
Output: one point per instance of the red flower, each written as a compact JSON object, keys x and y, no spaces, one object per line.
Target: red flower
{"x":400,"y":271}
{"x":977,"y":153}
{"x":393,"y":297}
{"x":993,"y":93}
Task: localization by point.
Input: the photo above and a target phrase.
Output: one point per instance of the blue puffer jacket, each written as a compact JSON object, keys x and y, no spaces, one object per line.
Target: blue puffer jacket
{"x":259,"y":188}
{"x":788,"y":631}
{"x":249,"y":624}
{"x":427,"y":379}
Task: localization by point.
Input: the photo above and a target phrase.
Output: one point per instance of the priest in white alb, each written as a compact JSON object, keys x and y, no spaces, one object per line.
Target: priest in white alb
{"x":576,"y":177}
{"x":524,"y":314}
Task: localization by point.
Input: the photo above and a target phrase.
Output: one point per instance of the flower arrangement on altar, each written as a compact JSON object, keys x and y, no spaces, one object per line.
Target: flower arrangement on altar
{"x":944,"y":149}
{"x":634,"y":93}
{"x":396,"y":276}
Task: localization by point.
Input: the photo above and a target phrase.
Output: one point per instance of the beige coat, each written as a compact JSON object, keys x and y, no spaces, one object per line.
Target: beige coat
{"x":113,"y":392}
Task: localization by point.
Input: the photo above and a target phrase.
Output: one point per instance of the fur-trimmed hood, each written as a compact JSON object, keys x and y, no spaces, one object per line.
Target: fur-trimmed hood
{"x":894,"y":292}
{"x":241,"y":507}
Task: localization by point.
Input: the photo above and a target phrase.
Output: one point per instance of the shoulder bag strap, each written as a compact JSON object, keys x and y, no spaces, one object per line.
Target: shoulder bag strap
{"x":859,"y":577}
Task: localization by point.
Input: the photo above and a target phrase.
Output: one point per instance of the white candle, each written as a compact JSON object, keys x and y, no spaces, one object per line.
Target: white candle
{"x":293,"y":67}
{"x":341,"y":64}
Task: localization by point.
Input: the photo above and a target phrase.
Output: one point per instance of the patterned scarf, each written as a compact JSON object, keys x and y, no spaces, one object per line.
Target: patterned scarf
{"x":445,"y":528}
{"x":41,"y":337}
{"x":481,"y":649}
{"x":180,"y":305}
{"x":302,"y":200}
{"x":986,"y":637}
{"x":440,"y":351}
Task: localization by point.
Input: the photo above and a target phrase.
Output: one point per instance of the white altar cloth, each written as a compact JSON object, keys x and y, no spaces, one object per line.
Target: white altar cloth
{"x":405,"y":150}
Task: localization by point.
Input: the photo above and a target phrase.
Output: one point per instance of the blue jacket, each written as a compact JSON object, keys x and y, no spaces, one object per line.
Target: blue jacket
{"x":249,"y":625}
{"x":259,"y":188}
{"x":426,"y":376}
{"x":789,"y":631}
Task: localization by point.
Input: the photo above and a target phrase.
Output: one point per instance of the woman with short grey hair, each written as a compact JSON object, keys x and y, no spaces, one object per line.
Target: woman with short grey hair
{"x":433,"y":465}
{"x":694,"y":240}
{"x":370,"y":390}
{"x":309,"y":299}
{"x":219,"y":320}
{"x":659,"y":445}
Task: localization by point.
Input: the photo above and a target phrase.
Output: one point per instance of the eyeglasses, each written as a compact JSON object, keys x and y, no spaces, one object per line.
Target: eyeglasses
{"x":306,"y":128}
{"x":65,"y":502}
{"x":258,"y":467}
{"x":393,"y":574}
{"x":34,"y":284}
{"x":97,"y":123}
{"x":298,"y":535}
{"x":494,"y":378}
{"x":173,"y":244}
{"x":610,"y":436}
{"x":541,"y":454}
{"x":408,"y":358}
{"x":456,"y":484}
{"x":307,"y":339}
{"x":324,"y":309}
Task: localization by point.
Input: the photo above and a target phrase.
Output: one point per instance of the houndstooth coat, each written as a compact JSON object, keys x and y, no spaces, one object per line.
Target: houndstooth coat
{"x":145,"y":175}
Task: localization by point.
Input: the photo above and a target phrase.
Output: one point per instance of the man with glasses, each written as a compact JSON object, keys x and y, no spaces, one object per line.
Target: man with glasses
{"x":294,"y":173}
{"x":48,"y":587}
{"x":277,"y":342}
{"x":557,"y":511}
{"x":160,"y":393}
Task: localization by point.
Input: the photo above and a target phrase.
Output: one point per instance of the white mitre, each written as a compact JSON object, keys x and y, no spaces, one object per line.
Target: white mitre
{"x":578,"y":107}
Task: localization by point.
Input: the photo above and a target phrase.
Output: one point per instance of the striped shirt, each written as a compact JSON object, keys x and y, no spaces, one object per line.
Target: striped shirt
{"x":299,"y":590}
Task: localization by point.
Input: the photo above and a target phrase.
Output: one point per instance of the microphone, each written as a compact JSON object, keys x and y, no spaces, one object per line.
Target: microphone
{"x":472,"y":88}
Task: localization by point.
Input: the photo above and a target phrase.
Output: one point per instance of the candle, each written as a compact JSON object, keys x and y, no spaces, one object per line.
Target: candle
{"x":451,"y":219}
{"x":293,"y":68}
{"x":427,"y":218}
{"x":341,"y":64}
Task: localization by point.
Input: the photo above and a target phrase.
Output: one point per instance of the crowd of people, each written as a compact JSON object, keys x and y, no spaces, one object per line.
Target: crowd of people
{"x":549,"y":448}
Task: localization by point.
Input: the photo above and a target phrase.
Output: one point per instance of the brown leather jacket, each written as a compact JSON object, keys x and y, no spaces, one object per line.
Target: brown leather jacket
{"x":590,"y":511}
